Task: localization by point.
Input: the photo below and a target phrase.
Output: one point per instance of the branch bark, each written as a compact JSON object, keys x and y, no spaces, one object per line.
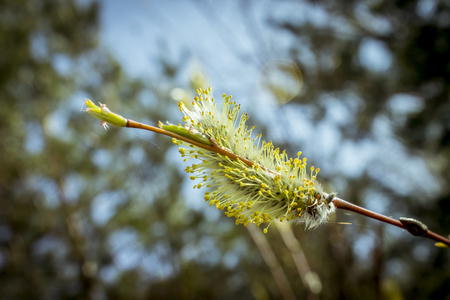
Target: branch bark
{"x":413,"y":226}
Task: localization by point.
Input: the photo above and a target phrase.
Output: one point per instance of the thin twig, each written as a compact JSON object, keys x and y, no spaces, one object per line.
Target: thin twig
{"x":214,"y":147}
{"x":272,"y":262}
{"x":342,"y":204}
{"x":339,"y":203}
{"x":309,"y":278}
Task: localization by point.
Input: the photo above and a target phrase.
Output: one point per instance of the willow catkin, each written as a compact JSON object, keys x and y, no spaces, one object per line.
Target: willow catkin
{"x":275,"y":187}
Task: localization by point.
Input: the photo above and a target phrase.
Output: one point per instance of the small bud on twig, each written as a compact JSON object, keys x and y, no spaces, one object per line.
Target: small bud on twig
{"x":105,"y":115}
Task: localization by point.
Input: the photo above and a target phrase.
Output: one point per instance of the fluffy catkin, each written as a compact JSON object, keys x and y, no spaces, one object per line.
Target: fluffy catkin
{"x":275,"y":187}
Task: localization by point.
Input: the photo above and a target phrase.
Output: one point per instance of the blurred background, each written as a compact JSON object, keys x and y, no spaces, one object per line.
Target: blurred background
{"x":361,"y":87}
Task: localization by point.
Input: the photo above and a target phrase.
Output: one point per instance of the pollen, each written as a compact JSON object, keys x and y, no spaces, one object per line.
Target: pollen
{"x":274,"y":188}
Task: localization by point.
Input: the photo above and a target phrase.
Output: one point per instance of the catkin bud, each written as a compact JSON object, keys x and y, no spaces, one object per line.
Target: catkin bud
{"x":105,"y":115}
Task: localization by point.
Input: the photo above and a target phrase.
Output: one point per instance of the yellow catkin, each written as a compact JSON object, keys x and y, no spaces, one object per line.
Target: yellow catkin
{"x":267,"y":191}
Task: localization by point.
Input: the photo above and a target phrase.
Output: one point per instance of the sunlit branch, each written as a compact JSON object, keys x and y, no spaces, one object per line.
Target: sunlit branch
{"x":339,"y":203}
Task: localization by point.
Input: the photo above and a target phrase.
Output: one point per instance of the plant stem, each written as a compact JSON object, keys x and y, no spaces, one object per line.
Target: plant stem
{"x":339,"y":203}
{"x":272,"y":262}
{"x":342,"y":204}
{"x":213,"y":147}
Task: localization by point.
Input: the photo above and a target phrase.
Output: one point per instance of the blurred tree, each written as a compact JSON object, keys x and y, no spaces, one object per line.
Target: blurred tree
{"x":83,"y":216}
{"x":382,"y":60}
{"x":89,"y":215}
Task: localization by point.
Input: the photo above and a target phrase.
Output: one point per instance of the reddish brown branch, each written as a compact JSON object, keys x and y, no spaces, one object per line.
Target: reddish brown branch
{"x":342,"y":204}
{"x":339,"y":203}
{"x":213,"y":147}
